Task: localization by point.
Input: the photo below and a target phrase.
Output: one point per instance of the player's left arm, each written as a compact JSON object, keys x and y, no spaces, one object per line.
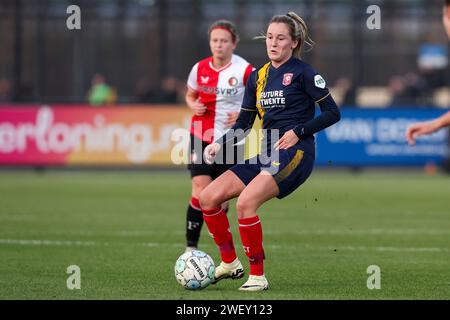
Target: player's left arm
{"x":329,"y":115}
{"x":428,"y":127}
{"x":315,"y":86}
{"x":443,"y":121}
{"x":446,"y":18}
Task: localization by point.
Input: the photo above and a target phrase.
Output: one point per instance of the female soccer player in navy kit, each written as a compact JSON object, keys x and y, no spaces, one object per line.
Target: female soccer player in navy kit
{"x":215,"y":90}
{"x":283,"y":93}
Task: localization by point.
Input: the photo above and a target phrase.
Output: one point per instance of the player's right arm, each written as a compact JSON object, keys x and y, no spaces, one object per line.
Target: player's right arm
{"x":421,"y":128}
{"x":192,"y":97}
{"x":239,"y":131}
{"x":193,"y":101}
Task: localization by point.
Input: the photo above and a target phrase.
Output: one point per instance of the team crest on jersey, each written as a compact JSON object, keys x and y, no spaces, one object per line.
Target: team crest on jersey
{"x":233,"y":81}
{"x":287,"y":78}
{"x":204,"y":80}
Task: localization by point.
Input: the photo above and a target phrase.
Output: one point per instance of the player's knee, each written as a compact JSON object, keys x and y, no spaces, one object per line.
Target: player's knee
{"x":198,"y":186}
{"x":196,"y":191}
{"x":244,"y":208}
{"x":209,"y":199}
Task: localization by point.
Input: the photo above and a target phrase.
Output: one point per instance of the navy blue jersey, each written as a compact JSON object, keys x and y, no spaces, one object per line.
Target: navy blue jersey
{"x":285,"y":97}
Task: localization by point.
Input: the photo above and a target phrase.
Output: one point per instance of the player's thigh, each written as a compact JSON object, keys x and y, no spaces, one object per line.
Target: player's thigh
{"x":227,"y":186}
{"x":261,"y":189}
{"x":199,"y":183}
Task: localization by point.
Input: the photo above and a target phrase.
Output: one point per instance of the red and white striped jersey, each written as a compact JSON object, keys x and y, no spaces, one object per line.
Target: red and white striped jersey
{"x":221,"y":91}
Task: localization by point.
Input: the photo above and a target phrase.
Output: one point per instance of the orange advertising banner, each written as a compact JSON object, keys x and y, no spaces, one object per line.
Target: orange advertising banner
{"x":124,"y":135}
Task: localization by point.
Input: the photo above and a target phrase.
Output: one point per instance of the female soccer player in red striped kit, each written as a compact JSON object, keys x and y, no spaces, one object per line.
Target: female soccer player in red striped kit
{"x":283,"y":93}
{"x":215,"y":90}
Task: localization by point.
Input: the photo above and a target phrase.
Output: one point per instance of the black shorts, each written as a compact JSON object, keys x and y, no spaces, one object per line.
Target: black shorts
{"x":228,"y":156}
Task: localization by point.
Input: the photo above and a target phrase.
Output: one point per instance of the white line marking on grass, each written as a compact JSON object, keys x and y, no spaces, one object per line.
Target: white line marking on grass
{"x":211,"y":247}
{"x":359,"y":232}
{"x":164,"y":245}
{"x":318,"y":232}
{"x":393,"y":249}
{"x":17,"y":217}
{"x":360,"y":248}
{"x":51,"y":242}
{"x":87,"y":233}
{"x":35,"y":242}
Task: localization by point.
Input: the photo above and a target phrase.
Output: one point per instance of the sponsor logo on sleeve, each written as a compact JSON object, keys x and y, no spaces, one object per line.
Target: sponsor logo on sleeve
{"x":319,"y":82}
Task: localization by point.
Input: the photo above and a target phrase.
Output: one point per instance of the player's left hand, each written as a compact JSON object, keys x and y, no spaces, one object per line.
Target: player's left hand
{"x":446,"y":19}
{"x":420,"y":129}
{"x":286,"y":141}
{"x":232,"y":117}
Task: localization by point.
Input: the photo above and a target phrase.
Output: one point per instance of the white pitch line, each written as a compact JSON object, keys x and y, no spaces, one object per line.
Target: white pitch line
{"x":324,"y":232}
{"x":360,"y":232}
{"x":51,"y":242}
{"x":317,"y":232}
{"x":392,"y":249}
{"x":210,"y":246}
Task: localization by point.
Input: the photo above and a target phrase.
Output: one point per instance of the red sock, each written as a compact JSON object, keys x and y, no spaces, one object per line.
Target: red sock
{"x":219,"y":227}
{"x":251,"y":236}
{"x":195,"y":204}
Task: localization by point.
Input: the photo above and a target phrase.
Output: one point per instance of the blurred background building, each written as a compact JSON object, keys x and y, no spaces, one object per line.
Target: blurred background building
{"x":136,"y":44}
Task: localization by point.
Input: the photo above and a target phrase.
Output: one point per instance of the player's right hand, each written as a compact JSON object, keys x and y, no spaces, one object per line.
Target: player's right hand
{"x":211,"y":152}
{"x":198,"y":108}
{"x":232,"y":117}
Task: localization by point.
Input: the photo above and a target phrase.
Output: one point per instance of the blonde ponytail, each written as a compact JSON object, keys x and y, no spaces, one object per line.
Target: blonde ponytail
{"x":300,"y":34}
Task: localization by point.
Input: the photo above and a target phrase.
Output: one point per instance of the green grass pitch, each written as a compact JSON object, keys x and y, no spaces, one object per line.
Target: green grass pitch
{"x":125,"y":231}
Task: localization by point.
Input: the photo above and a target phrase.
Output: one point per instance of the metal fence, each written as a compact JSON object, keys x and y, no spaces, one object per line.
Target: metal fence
{"x":143,"y":41}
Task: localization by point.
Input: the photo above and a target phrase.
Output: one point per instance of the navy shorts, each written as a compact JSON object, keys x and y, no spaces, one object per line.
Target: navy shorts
{"x":290,"y":168}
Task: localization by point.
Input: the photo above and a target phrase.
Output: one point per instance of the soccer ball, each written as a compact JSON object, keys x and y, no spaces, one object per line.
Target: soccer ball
{"x":194,"y":270}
